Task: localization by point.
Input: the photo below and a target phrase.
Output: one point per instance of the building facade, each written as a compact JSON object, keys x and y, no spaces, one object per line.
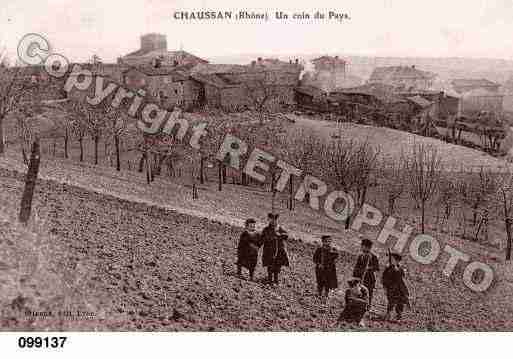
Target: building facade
{"x":403,"y":78}
{"x":328,"y":73}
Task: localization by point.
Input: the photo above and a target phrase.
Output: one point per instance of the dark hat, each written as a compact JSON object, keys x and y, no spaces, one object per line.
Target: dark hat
{"x":250,"y":220}
{"x":281,"y":231}
{"x":325,"y":237}
{"x":353,"y":280}
{"x":273,"y":215}
{"x":396,"y":256}
{"x":366,"y":243}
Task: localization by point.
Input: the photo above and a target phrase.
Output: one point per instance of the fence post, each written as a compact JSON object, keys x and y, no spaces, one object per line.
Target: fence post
{"x":30,"y":183}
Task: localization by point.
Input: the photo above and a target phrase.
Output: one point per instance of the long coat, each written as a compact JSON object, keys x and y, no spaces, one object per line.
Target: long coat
{"x":393,"y":282}
{"x":274,"y":253}
{"x":247,"y":250}
{"x":369,"y":264}
{"x":326,"y":269}
{"x":357,"y":300}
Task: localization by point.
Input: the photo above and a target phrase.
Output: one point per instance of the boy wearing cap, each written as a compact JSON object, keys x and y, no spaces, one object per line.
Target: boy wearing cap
{"x":356,"y":302}
{"x":325,"y":258}
{"x":247,"y":250}
{"x":395,"y":288}
{"x":274,"y":255}
{"x":366,"y":264}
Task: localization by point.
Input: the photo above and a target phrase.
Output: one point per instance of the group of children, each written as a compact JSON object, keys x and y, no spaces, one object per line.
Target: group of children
{"x":359,"y":294}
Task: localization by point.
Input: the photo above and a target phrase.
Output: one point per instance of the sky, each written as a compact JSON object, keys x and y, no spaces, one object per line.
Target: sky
{"x":434,"y":28}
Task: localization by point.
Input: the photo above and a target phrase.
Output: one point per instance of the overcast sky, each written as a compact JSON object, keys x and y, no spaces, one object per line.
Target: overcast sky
{"x":434,"y":28}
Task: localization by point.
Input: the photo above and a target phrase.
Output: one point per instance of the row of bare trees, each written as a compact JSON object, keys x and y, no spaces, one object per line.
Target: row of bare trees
{"x":474,"y":201}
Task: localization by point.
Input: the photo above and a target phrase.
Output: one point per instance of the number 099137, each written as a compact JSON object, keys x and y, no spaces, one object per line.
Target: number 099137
{"x":41,"y":342}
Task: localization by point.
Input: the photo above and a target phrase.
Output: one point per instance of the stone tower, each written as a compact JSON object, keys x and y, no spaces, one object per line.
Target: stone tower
{"x":151,"y":42}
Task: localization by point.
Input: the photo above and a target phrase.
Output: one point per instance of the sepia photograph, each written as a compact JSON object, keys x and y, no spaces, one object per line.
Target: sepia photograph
{"x":219,"y":166}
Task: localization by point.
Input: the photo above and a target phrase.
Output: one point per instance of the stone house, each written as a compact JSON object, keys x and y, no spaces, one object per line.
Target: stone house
{"x":168,"y":85}
{"x":239,"y":87}
{"x":403,"y":78}
{"x":462,"y":86}
{"x":328,"y":73}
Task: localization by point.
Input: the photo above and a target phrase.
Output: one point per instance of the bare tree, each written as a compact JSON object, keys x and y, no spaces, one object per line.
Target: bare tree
{"x":423,"y":168}
{"x":393,"y":181}
{"x":447,"y":196}
{"x":115,"y":122}
{"x":505,"y":199}
{"x":261,"y":92}
{"x":476,"y":190}
{"x":77,"y":123}
{"x":14,"y":87}
{"x":352,"y":165}
{"x":25,"y":134}
{"x":303,"y":150}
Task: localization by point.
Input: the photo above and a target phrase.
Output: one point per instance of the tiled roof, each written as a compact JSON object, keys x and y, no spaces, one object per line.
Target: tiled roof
{"x":473,"y":83}
{"x":179,"y":74}
{"x":388,"y":73}
{"x":421,"y":101}
{"x":211,"y":79}
{"x":309,"y":90}
{"x":220,"y":68}
{"x":481,"y":92}
{"x":331,"y":59}
{"x":170,"y":56}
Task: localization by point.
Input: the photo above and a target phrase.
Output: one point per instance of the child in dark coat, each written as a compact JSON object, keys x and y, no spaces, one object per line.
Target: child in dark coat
{"x":274,"y":254}
{"x":325,"y":258}
{"x":357,"y":303}
{"x":396,"y":291}
{"x":247,"y":250}
{"x":366,"y":264}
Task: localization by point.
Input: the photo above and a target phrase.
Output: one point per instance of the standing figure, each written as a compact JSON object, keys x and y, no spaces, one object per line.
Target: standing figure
{"x":356,"y":302}
{"x":366,"y":264}
{"x":247,"y":250}
{"x":274,"y":255}
{"x":325,"y":258}
{"x":395,"y":289}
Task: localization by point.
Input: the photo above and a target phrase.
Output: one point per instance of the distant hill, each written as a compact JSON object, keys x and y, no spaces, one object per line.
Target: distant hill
{"x":498,"y":70}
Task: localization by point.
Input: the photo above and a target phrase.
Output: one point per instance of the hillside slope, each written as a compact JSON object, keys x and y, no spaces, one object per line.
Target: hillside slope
{"x":157,"y":269}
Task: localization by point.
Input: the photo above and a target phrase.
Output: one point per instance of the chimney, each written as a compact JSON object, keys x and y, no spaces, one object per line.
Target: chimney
{"x":297,"y":62}
{"x":253,"y":63}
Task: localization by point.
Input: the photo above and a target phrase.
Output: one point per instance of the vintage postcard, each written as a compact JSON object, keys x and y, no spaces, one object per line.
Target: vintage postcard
{"x":214,"y":166}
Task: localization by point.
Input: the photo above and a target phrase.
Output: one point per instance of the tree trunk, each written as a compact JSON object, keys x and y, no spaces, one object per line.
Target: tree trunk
{"x":30,"y":184}
{"x":24,"y":154}
{"x":141,"y":162}
{"x":291,"y":194}
{"x":96,"y":142}
{"x":2,"y":146}
{"x":423,"y":216}
{"x":220,"y":175}
{"x":66,"y":139}
{"x":509,"y":239}
{"x":118,"y":160}
{"x":202,"y":167}
{"x":149,"y":177}
{"x":81,"y":142}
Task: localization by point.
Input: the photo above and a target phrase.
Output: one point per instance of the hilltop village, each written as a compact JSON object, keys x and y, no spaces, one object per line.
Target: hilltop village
{"x":402,"y":97}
